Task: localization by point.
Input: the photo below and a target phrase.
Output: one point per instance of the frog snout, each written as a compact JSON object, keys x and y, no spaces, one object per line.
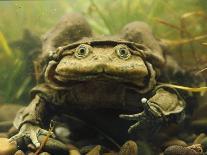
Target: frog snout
{"x":100,"y":58}
{"x":100,"y":63}
{"x":100,"y":68}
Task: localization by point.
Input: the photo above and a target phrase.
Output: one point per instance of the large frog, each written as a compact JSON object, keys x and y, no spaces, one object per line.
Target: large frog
{"x":104,"y":80}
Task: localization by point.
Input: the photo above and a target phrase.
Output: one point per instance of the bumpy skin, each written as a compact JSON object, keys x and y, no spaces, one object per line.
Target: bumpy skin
{"x":117,"y":72}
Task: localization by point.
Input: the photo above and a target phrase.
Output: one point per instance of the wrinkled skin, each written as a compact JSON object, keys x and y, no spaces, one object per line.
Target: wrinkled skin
{"x":116,"y":73}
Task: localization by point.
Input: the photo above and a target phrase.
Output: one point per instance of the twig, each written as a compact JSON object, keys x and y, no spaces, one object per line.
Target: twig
{"x":188,"y":89}
{"x":46,"y":139}
{"x":200,"y":71}
{"x":183,"y":41}
{"x":169,"y":24}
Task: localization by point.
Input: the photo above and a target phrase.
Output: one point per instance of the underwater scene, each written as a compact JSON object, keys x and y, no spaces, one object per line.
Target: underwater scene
{"x":91,"y":77}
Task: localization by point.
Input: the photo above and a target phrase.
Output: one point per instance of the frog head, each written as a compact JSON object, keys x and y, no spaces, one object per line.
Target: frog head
{"x":115,"y":62}
{"x":116,"y":58}
{"x":102,"y":60}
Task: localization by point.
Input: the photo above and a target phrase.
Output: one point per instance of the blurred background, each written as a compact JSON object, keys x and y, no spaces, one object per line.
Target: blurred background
{"x":181,"y":25}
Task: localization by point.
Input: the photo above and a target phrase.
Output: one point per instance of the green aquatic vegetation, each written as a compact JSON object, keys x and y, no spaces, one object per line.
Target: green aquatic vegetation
{"x":13,"y":84}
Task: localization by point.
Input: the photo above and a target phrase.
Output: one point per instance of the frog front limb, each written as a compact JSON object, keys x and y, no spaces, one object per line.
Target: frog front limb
{"x":30,"y":131}
{"x":29,"y":121}
{"x":158,"y":110}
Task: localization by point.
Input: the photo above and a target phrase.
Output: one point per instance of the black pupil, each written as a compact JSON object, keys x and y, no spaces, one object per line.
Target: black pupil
{"x":82,"y":51}
{"x":123,"y":52}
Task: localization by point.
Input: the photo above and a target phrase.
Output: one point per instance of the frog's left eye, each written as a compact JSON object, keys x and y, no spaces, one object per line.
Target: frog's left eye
{"x":123,"y":52}
{"x":82,"y":51}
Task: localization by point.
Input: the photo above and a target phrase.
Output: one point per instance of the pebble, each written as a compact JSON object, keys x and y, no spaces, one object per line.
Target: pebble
{"x":204,"y":143}
{"x":130,"y":147}
{"x":7,"y":148}
{"x":179,"y":150}
{"x":174,"y":141}
{"x":199,"y":138}
{"x":197,"y":147}
{"x":95,"y":151}
{"x":44,"y":153}
{"x":3,"y":135}
{"x":74,"y":152}
{"x":54,"y":146}
{"x":19,"y":152}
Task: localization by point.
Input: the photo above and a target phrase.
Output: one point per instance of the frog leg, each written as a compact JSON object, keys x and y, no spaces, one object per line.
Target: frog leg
{"x":162,"y":108}
{"x":29,"y":120}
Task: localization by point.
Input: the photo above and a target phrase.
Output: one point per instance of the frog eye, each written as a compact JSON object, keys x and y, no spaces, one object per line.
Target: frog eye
{"x":82,"y":51}
{"x":123,"y":52}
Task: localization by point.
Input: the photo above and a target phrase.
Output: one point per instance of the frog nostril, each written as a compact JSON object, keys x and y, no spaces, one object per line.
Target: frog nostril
{"x":99,"y":69}
{"x":95,"y":58}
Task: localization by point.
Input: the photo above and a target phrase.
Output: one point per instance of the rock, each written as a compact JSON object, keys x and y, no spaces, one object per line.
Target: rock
{"x":74,"y":152}
{"x":44,"y":153}
{"x":8,"y":111}
{"x":3,"y":135}
{"x":19,"y":152}
{"x":95,"y":151}
{"x":111,"y":153}
{"x":130,"y":147}
{"x":179,"y":150}
{"x":204,"y":144}
{"x":5,"y":126}
{"x":174,"y":141}
{"x":197,"y":147}
{"x":62,"y":133}
{"x":7,"y":148}
{"x":199,"y":138}
{"x":53,"y":146}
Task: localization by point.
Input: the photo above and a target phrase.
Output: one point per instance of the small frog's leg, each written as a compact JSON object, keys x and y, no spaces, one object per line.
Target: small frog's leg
{"x":30,"y":119}
{"x":164,"y":107}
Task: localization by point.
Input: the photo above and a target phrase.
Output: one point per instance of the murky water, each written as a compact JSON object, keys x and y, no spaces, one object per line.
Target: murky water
{"x":179,"y":27}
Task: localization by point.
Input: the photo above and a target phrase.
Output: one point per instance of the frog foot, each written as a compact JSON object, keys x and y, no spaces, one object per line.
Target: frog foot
{"x":32,"y":132}
{"x":145,"y":119}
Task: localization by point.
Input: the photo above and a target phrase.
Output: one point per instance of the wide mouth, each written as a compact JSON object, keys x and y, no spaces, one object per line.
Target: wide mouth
{"x":142,"y":84}
{"x":103,"y":77}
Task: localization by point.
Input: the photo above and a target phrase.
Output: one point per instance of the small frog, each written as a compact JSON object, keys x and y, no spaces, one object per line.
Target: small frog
{"x":114,"y":78}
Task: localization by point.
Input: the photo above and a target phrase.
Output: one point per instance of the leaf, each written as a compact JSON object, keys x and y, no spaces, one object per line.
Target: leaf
{"x":182,"y":41}
{"x":195,"y":13}
{"x":4,"y":44}
{"x":188,"y":89}
{"x":200,"y":71}
{"x":205,"y":44}
{"x":169,"y":24}
{"x":23,"y":87}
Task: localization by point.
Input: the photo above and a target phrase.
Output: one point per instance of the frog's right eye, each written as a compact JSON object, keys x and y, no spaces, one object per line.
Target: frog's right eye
{"x":123,"y":52}
{"x":82,"y":51}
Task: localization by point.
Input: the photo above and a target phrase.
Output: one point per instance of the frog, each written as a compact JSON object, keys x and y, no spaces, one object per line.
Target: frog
{"x":112,"y":77}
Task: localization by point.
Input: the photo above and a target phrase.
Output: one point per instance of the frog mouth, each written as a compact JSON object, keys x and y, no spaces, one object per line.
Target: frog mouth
{"x":99,"y":77}
{"x":58,"y":80}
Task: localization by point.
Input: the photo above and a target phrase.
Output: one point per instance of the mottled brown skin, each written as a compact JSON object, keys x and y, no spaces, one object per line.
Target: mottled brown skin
{"x":97,"y":73}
